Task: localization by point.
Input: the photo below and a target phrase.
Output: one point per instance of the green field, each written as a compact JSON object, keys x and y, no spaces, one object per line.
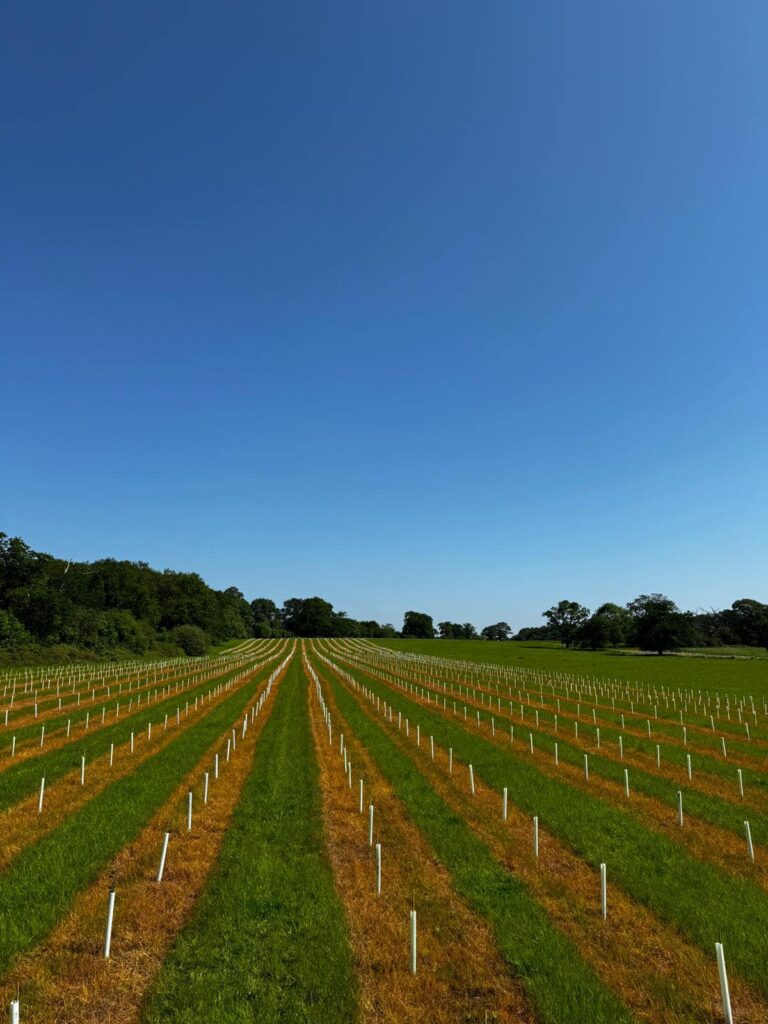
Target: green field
{"x":283,"y":921}
{"x":728,"y":674}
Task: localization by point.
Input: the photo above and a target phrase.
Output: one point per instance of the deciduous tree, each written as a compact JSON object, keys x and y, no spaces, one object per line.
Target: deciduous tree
{"x":565,"y":618}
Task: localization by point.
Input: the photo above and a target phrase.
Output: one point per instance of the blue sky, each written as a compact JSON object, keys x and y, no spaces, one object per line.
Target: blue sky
{"x":455,"y":307}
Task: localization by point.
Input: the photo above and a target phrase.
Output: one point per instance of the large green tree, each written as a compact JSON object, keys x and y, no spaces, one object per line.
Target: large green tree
{"x":309,"y":616}
{"x":748,"y":619}
{"x":498,"y":631}
{"x":265,"y":618}
{"x":565,"y":618}
{"x":418,"y":625}
{"x":610,"y":626}
{"x":659,"y":625}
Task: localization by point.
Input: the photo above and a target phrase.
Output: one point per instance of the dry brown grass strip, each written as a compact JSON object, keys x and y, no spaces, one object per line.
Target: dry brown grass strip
{"x":654,"y":970}
{"x":66,"y":979}
{"x":462,"y":976}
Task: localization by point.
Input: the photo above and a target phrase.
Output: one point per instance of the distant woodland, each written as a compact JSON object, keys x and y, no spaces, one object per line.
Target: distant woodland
{"x":52,"y":609}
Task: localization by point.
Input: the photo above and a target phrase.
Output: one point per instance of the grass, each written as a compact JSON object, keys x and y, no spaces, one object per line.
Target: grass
{"x":41,"y":883}
{"x":708,"y":807}
{"x":651,"y":868}
{"x":561,"y":986}
{"x":20,"y":780}
{"x":217,"y":649}
{"x":77,"y":713}
{"x":267,"y":941}
{"x":729,"y":651}
{"x":724,"y":674}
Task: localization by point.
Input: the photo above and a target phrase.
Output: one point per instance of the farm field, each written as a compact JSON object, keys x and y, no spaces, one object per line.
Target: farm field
{"x":736,"y":673}
{"x":344,"y":831}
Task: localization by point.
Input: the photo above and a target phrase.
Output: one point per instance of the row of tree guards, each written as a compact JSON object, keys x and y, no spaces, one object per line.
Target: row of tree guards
{"x":181,"y":685}
{"x":42,"y":677}
{"x":454,"y":673}
{"x":688,"y":761}
{"x":347,"y":769}
{"x":14,"y":1006}
{"x":185,"y":674}
{"x":603,"y":869}
{"x":221,"y":688}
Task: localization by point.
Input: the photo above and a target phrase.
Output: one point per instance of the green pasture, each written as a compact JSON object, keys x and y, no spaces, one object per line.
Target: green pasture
{"x":736,"y":675}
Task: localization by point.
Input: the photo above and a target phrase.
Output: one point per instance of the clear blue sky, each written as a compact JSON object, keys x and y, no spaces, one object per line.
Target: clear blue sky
{"x":458,"y":307}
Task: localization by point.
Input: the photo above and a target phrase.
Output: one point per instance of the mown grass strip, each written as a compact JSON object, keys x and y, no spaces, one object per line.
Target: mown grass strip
{"x":41,"y":883}
{"x":561,"y":986}
{"x":705,"y":903}
{"x":23,"y":778}
{"x":267,"y":941}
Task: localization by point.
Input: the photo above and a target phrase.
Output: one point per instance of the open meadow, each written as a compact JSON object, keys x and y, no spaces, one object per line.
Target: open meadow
{"x":342,"y":830}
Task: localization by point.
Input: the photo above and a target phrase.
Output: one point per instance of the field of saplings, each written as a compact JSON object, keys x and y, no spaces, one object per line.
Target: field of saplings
{"x":336,"y":831}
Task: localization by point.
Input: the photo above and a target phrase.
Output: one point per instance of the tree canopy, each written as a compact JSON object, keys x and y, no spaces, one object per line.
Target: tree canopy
{"x":456,"y":630}
{"x":565,"y":618}
{"x":56,"y":608}
{"x":418,"y":625}
{"x":498,"y":631}
{"x":110,"y":606}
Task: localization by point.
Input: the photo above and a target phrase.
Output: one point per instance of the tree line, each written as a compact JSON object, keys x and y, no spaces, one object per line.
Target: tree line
{"x":651,"y":622}
{"x":54,"y":609}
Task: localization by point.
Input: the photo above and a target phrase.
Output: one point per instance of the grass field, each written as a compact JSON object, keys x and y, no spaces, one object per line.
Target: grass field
{"x":339,"y":787}
{"x":737,"y":674}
